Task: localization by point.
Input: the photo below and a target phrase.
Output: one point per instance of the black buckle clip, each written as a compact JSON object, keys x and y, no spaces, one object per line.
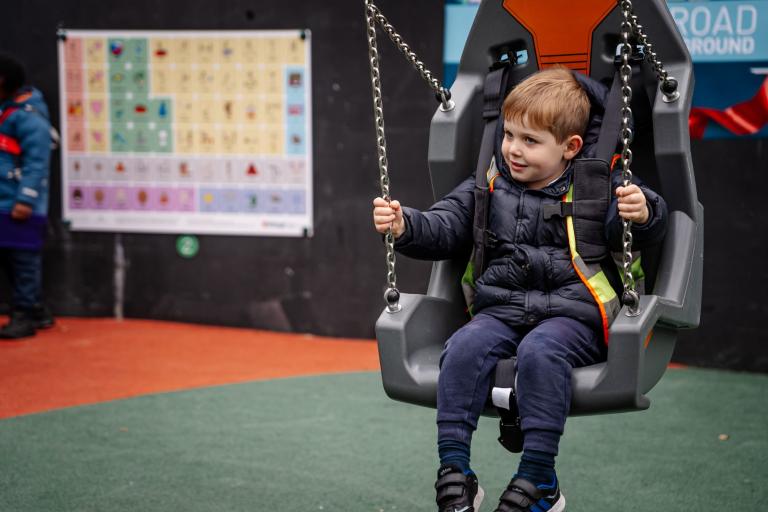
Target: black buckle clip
{"x":511,"y":435}
{"x":561,"y":209}
{"x":490,"y":239}
{"x":511,"y":59}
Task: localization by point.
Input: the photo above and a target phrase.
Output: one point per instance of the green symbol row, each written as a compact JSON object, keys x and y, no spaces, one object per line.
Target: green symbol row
{"x":122,"y":50}
{"x":140,"y":109}
{"x":141,"y":139}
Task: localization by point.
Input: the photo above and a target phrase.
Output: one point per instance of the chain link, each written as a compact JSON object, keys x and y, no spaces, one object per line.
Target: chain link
{"x":630,"y":297}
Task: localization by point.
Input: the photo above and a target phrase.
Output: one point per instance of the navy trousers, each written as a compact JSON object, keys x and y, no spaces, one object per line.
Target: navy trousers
{"x":24,"y":270}
{"x":546,"y":355}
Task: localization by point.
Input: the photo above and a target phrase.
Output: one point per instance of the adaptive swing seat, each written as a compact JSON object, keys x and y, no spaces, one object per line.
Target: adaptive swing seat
{"x":584,"y":37}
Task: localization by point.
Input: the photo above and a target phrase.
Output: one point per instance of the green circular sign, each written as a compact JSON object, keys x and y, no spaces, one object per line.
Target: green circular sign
{"x":187,"y":246}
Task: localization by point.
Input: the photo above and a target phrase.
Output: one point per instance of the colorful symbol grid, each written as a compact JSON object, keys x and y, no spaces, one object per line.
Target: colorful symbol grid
{"x":199,"y":123}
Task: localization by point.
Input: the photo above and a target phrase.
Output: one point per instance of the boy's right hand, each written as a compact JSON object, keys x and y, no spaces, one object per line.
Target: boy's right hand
{"x":388,"y":215}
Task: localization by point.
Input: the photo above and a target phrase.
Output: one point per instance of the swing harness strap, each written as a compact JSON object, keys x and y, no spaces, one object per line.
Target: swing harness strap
{"x":494,"y":92}
{"x":608,"y":140}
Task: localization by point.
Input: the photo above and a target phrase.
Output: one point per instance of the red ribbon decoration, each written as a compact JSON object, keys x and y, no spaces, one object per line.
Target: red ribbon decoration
{"x":745,"y":118}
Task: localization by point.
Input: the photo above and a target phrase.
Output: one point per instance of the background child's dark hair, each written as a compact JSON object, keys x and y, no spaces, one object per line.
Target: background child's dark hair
{"x":12,"y":73}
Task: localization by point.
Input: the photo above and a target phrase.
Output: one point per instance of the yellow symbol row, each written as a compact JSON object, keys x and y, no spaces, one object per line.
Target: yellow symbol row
{"x":266,"y":50}
{"x":189,"y":141}
{"x":250,"y":141}
{"x":184,"y":80}
{"x":229,"y":79}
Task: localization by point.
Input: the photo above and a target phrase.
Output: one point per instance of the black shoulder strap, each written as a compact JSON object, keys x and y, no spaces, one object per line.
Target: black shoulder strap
{"x":611,"y":125}
{"x":494,"y":91}
{"x":589,"y":206}
{"x":591,"y":199}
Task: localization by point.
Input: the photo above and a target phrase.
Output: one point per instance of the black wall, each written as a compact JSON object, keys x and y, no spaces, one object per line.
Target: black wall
{"x":331,"y":284}
{"x":734,"y":318}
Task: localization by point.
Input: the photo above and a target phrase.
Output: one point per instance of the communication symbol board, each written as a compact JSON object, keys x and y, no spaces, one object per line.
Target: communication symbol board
{"x":187,"y":132}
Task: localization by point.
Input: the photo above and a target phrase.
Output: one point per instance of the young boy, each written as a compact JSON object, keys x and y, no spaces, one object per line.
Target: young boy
{"x":530,"y":302}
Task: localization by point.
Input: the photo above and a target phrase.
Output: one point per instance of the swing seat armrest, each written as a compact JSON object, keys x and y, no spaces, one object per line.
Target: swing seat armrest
{"x":618,"y":386}
{"x":680,"y":276}
{"x":410,"y":342}
{"x":640,"y":348}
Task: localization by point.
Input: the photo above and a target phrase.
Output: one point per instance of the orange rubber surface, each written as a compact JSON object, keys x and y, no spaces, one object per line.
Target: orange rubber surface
{"x":85,"y":361}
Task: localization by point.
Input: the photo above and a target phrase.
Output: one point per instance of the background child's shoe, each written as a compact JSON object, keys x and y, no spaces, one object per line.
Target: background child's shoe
{"x":21,"y":325}
{"x":42,"y":316}
{"x":522,"y":496}
{"x":457,"y":492}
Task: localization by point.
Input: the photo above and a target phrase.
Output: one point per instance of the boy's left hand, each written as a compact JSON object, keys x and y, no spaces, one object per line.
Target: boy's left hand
{"x":632,"y":205}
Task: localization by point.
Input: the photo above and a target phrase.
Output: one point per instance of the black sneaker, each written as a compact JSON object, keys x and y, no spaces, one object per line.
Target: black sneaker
{"x":522,"y":496}
{"x":42,"y":316}
{"x":21,"y":325}
{"x":457,"y":492}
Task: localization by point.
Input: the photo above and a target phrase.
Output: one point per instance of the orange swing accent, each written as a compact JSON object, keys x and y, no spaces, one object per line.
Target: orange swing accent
{"x":562,"y":31}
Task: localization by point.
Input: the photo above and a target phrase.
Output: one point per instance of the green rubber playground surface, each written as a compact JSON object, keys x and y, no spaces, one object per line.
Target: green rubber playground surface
{"x":337,"y":443}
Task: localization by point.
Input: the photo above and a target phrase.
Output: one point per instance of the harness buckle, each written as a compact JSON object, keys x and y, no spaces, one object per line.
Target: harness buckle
{"x":560,"y":209}
{"x":490,"y":239}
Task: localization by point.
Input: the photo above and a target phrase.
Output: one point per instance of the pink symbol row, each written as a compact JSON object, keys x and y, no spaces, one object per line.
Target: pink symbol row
{"x":96,"y":197}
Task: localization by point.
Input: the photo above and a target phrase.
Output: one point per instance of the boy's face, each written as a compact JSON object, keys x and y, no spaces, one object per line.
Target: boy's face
{"x":534,"y":157}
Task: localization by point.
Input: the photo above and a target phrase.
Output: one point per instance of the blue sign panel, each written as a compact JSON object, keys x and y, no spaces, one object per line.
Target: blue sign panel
{"x":730,"y":31}
{"x":728,"y":42}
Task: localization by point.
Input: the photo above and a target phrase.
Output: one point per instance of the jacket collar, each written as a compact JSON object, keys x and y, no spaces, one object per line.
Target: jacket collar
{"x":555,"y":189}
{"x":560,"y":186}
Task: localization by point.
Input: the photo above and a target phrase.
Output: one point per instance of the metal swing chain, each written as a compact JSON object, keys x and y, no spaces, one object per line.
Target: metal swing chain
{"x":391,"y":295}
{"x":373,"y":15}
{"x":372,"y":12}
{"x":667,"y":84}
{"x":630,"y":297}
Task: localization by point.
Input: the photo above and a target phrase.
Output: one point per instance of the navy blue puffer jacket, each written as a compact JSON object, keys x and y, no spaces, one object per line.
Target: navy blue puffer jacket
{"x":529,"y":276}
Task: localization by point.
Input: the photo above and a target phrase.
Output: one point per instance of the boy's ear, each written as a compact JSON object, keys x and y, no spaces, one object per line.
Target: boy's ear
{"x":573,"y":145}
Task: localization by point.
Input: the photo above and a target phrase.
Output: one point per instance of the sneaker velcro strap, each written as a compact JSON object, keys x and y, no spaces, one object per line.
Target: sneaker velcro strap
{"x":516,"y":499}
{"x":449,"y":492}
{"x":525,"y":486}
{"x":520,"y":495}
{"x":451,"y":478}
{"x":451,"y":485}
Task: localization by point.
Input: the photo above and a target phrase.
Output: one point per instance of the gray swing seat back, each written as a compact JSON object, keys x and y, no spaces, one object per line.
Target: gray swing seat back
{"x":640,"y":348}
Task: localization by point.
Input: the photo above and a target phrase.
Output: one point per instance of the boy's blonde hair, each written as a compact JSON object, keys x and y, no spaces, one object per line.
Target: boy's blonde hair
{"x":549,"y":100}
